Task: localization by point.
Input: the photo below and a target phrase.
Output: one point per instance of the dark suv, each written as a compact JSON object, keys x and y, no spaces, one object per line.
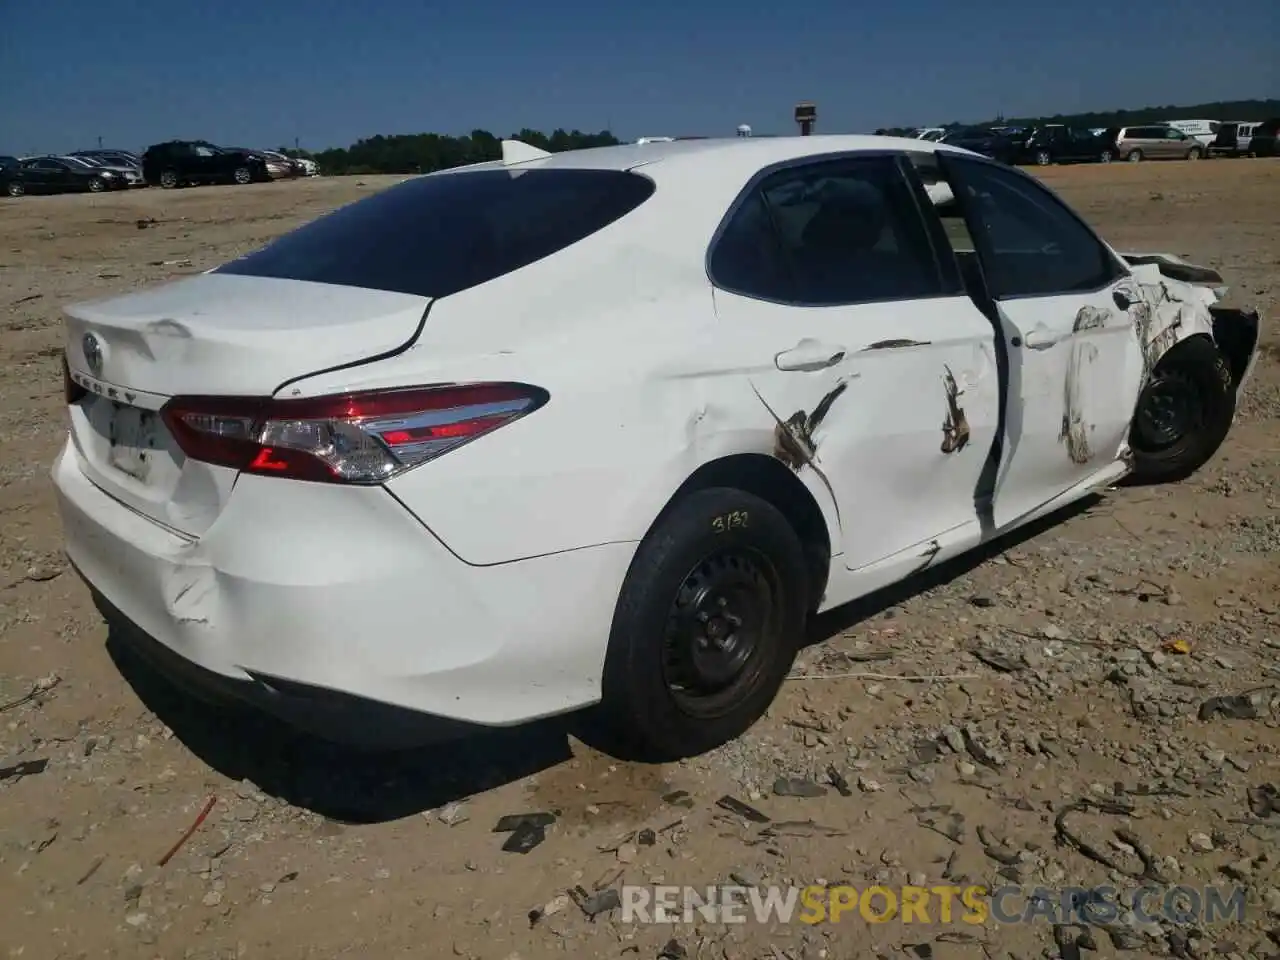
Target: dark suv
{"x":1055,"y":143}
{"x":180,"y":162}
{"x":1266,"y":139}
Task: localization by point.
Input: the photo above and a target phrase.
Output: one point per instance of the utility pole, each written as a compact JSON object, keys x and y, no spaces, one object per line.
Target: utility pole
{"x":99,"y":143}
{"x":806,"y":116}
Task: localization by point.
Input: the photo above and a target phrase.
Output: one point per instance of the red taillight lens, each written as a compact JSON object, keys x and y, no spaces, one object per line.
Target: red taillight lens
{"x":71,"y":390}
{"x":351,"y":438}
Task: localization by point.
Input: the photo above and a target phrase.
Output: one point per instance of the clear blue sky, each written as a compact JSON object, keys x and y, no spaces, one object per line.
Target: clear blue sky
{"x":262,"y":72}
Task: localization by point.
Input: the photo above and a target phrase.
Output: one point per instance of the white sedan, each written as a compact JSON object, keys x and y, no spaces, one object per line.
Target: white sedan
{"x":607,"y":426}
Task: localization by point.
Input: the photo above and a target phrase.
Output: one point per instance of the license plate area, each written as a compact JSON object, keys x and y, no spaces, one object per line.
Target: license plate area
{"x":135,"y":443}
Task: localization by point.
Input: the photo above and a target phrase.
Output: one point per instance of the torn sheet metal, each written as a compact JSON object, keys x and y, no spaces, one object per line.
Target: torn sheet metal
{"x":955,"y":428}
{"x":1163,"y":313}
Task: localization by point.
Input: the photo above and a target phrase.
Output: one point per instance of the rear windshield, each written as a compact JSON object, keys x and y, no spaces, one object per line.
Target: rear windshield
{"x":436,"y":235}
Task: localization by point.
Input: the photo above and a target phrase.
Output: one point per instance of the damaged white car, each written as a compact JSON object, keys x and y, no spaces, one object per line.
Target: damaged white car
{"x":607,"y":426}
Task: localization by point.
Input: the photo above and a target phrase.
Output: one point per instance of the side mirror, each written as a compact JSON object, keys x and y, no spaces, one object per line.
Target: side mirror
{"x":1122,"y":299}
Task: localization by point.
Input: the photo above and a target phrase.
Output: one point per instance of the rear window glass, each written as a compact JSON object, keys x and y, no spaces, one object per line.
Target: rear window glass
{"x":437,"y":235}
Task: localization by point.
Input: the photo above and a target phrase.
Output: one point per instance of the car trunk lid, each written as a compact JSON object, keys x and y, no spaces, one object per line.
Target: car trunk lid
{"x":214,"y":335}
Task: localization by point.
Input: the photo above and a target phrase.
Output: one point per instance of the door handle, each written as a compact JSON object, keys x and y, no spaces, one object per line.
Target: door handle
{"x":1041,"y":339}
{"x":810,"y":355}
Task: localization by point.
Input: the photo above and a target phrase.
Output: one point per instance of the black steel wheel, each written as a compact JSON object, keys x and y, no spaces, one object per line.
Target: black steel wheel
{"x":707,"y":625}
{"x":1183,"y":413}
{"x":720,"y":617}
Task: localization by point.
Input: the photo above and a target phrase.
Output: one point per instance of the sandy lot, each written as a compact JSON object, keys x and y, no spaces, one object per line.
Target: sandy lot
{"x":1100,"y":635}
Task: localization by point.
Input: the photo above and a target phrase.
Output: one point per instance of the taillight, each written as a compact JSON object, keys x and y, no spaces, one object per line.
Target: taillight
{"x":71,"y":390}
{"x":348,"y":438}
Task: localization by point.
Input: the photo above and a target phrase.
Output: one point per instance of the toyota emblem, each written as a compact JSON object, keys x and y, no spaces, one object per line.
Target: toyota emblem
{"x":92,"y":353}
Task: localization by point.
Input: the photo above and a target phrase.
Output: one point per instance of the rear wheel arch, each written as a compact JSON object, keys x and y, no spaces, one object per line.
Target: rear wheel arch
{"x":766,"y":478}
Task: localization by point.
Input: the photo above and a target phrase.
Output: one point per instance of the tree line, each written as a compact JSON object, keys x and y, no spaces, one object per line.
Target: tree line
{"x":428,"y":152}
{"x":1242,"y":110}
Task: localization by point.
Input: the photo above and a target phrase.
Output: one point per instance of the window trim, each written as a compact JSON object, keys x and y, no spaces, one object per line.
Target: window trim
{"x":1111,"y":256}
{"x":753,"y":186}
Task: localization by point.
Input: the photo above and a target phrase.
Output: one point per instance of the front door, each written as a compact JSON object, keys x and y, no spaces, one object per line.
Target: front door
{"x":1075,"y":360}
{"x":878,"y":370}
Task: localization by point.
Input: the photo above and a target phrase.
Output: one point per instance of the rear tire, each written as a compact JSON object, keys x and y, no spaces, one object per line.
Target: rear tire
{"x":1106,"y":157}
{"x":1183,"y":414}
{"x":97,"y":185}
{"x":706,"y":627}
{"x":1043,"y":158}
{"x":16,"y":188}
{"x":243,"y":175}
{"x":1195,"y":153}
{"x":169,"y":179}
{"x":1135,"y":156}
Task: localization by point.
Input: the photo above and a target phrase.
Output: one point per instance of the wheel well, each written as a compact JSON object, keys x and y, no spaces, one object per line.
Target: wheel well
{"x":769,"y":480}
{"x":1236,"y":333}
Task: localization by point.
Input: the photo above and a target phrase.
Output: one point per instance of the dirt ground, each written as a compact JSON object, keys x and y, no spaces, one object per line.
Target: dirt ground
{"x":949,"y":723}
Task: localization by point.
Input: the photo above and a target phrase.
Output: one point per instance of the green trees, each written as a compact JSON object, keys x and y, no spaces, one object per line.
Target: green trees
{"x":427,"y":152}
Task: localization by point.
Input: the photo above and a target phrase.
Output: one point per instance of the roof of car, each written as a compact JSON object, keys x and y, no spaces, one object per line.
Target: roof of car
{"x":716,"y":154}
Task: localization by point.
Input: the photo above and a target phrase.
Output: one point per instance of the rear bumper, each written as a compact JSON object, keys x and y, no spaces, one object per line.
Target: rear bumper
{"x":316,"y":601}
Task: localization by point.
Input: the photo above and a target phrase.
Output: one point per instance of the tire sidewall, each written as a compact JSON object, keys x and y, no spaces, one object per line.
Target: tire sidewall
{"x":16,"y":190}
{"x":1135,"y":156}
{"x":97,"y":185}
{"x":635,"y":696}
{"x":1197,"y":358}
{"x":168,"y":180}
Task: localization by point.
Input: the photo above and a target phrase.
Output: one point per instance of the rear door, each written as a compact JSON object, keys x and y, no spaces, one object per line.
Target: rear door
{"x":878,"y":369}
{"x":1075,"y":362}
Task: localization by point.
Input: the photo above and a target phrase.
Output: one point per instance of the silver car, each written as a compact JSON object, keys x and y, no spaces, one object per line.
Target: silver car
{"x":1157,"y":142}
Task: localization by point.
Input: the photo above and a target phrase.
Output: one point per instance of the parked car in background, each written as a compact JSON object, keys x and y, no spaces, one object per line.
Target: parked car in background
{"x":176,"y":163}
{"x":115,"y":157}
{"x":1263,"y":141}
{"x":1056,"y":143}
{"x":53,"y":174}
{"x":1206,"y":131}
{"x":289,"y":482}
{"x":309,"y":167}
{"x":1156,"y":142}
{"x":930,"y":134}
{"x":279,"y":167}
{"x":11,"y":173}
{"x":1233,"y":138}
{"x":132,"y":175}
{"x":985,"y":141}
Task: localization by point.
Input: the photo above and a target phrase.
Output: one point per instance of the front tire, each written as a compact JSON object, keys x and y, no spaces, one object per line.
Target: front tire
{"x":1195,"y":153}
{"x":1043,"y":158}
{"x":1135,"y":156}
{"x":169,"y":179}
{"x":16,"y":189}
{"x":97,"y":185}
{"x":243,"y":175}
{"x":1183,"y":414}
{"x":706,"y":627}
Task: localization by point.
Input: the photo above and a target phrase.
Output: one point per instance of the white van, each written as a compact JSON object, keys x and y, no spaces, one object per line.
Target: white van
{"x":1203,"y":130}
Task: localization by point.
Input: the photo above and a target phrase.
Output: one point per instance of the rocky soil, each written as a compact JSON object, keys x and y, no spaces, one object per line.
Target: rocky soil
{"x":1094,"y":703}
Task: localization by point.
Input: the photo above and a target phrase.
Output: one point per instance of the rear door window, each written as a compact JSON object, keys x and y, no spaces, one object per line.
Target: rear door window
{"x":436,"y":235}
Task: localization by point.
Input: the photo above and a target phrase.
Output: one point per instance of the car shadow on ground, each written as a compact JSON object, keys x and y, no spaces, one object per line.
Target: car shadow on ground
{"x":341,"y":783}
{"x":358,"y":786}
